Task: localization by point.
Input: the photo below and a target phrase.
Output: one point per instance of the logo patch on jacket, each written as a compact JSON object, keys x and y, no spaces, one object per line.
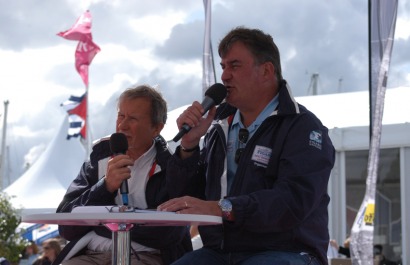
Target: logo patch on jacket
{"x":315,"y":139}
{"x":261,"y":154}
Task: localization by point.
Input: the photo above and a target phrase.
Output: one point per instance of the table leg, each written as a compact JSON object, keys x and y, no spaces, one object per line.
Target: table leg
{"x":121,"y":243}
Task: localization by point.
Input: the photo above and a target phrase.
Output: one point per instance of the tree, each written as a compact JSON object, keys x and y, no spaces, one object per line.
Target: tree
{"x":11,"y":242}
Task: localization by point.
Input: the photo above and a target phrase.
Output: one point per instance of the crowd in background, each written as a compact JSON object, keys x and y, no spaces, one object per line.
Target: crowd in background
{"x":33,"y":254}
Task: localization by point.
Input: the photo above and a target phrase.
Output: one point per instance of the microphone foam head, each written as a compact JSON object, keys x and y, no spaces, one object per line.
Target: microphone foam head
{"x":118,"y":143}
{"x":217,"y":92}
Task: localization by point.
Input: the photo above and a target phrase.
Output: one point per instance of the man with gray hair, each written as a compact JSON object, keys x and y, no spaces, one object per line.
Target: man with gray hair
{"x":141,"y":115}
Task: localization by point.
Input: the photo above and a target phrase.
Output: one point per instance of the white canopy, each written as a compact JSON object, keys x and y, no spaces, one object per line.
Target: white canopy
{"x":43,"y":186}
{"x":352,"y":109}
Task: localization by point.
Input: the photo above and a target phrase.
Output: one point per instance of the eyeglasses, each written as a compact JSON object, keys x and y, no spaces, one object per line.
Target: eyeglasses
{"x":118,"y":209}
{"x":243,"y":138}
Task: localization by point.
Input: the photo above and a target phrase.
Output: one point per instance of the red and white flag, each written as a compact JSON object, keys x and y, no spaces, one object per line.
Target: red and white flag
{"x":76,"y":108}
{"x":86,"y":48}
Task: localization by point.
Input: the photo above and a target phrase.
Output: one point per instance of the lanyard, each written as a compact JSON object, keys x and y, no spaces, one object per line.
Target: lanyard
{"x":152,"y":170}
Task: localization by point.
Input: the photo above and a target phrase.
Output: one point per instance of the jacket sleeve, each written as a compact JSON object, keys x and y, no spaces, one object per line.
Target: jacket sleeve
{"x":186,"y":177}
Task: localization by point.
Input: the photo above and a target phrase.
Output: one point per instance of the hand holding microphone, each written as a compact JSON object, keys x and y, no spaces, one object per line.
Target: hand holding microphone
{"x":119,"y":146}
{"x":213,"y":96}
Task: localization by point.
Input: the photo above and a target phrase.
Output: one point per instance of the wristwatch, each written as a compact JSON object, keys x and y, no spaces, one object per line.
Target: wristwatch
{"x":226,"y":207}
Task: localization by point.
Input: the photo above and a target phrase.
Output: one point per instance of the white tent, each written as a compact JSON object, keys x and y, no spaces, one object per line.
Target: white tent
{"x":352,"y":109}
{"x":42,"y":186}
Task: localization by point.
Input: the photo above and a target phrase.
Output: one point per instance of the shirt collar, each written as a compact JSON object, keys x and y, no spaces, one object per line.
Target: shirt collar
{"x":148,"y":156}
{"x":266,"y":112}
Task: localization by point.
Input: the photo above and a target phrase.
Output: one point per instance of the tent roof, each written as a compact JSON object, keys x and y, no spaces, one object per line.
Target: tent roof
{"x":352,"y":109}
{"x":336,"y":110}
{"x":44,"y":184}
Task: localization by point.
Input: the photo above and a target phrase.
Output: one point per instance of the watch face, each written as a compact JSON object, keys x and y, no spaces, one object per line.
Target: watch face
{"x":225,"y":205}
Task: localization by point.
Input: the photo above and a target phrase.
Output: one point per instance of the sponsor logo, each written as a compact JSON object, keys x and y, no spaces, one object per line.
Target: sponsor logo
{"x":315,"y":139}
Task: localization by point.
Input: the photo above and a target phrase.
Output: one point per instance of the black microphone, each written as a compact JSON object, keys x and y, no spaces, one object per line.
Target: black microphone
{"x":213,"y":96}
{"x":118,"y":146}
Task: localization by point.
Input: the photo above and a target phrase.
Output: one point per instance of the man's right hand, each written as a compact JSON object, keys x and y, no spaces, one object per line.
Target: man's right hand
{"x":193,"y":116}
{"x":117,"y":171}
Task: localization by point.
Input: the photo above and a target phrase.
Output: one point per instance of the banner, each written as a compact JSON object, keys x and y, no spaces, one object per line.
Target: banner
{"x":383,"y":14}
{"x":382,"y":27}
{"x":86,"y":48}
{"x":208,"y":68}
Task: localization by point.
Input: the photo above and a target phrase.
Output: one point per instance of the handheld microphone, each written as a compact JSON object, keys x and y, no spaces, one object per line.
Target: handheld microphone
{"x":118,"y":146}
{"x":213,"y":96}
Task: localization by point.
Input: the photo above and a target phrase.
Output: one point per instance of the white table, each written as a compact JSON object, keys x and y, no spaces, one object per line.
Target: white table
{"x":120,"y":224}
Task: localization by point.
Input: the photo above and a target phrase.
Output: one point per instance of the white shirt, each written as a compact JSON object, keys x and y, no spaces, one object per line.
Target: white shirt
{"x":137,"y":183}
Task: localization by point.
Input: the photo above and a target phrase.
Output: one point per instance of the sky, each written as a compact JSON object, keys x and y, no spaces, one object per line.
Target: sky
{"x":160,"y":43}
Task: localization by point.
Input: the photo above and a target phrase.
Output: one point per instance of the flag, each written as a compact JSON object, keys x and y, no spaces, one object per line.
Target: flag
{"x":76,"y":108}
{"x":81,"y":29}
{"x":84,"y":54}
{"x":208,"y":68}
{"x":383,"y":14}
{"x":86,"y":48}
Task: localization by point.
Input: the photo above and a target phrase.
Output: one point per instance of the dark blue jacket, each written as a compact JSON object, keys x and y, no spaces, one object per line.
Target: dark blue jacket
{"x":88,"y":189}
{"x":278,"y":205}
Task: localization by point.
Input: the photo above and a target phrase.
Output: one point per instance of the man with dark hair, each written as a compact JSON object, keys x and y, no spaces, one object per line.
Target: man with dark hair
{"x":264,"y":166}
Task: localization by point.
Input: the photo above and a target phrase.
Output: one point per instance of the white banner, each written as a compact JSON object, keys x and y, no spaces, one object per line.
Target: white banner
{"x":382,"y":27}
{"x":208,"y":71}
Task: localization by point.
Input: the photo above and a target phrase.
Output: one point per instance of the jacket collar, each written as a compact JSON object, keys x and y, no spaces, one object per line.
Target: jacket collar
{"x":287,"y":104}
{"x":163,"y":152}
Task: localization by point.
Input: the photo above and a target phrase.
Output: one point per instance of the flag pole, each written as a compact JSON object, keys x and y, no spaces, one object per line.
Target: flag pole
{"x":88,"y":135}
{"x":3,"y":146}
{"x":369,"y":22}
{"x":208,"y":67}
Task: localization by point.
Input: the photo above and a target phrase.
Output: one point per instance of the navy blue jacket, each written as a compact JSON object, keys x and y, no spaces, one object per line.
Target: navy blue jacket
{"x":279,"y":193}
{"x":88,"y":189}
